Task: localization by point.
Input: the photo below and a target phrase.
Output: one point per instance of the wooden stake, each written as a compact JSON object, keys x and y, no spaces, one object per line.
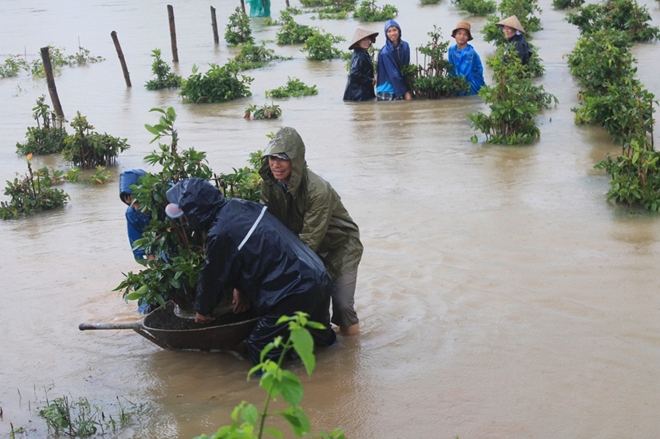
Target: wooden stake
{"x":175,"y":51}
{"x":214,"y":24}
{"x":287,"y":4}
{"x":48,"y":68}
{"x":243,"y":6}
{"x":120,"y":54}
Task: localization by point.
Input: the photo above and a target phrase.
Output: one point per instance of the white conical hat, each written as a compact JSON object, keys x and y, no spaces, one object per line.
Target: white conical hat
{"x":513,"y":22}
{"x":361,"y":34}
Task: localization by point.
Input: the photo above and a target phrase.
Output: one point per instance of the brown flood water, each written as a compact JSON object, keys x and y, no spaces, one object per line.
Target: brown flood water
{"x":500,"y":294}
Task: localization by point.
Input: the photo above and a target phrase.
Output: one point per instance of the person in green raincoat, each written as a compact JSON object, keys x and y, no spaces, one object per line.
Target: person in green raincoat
{"x":312,"y":209}
{"x":259,"y":8}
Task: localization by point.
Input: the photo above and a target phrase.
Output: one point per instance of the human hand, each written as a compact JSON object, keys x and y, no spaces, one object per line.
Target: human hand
{"x":203,"y":319}
{"x":407,"y":96}
{"x":239,"y":302}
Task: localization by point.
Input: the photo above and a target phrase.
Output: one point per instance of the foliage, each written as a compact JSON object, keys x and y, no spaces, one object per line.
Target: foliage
{"x":567,"y":4}
{"x":80,"y":419}
{"x":31,"y":193}
{"x":336,"y":9}
{"x":271,"y":111}
{"x":165,"y":77}
{"x":320,"y":46}
{"x":430,"y":2}
{"x":291,"y":32}
{"x":433,"y":80}
{"x":245,"y":182}
{"x":479,"y":8}
{"x":249,"y":423}
{"x":514,"y":102}
{"x":368,"y":11}
{"x":600,"y":58}
{"x":46,"y":137}
{"x":88,"y":149}
{"x":218,"y":84}
{"x":294,"y":88}
{"x":253,"y":56}
{"x":59,"y":59}
{"x":624,"y":15}
{"x":534,"y":67}
{"x":12,"y":66}
{"x":238,"y":29}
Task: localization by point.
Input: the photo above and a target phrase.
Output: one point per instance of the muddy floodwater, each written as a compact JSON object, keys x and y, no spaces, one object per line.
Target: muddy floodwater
{"x":500,"y":294}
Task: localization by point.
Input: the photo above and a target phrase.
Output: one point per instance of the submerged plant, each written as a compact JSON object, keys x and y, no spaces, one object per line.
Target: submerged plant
{"x":271,"y":111}
{"x":46,"y":137}
{"x":320,"y":46}
{"x":476,"y":7}
{"x":165,"y":77}
{"x":249,"y":422}
{"x":238,"y":29}
{"x":294,"y":88}
{"x":368,"y":11}
{"x":623,"y":15}
{"x":252,"y":56}
{"x":88,"y":149}
{"x":31,"y":193}
{"x":218,"y":84}
{"x":12,"y":66}
{"x":291,"y":32}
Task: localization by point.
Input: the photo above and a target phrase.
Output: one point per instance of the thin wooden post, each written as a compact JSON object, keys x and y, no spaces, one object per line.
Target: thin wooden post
{"x":50,"y":79}
{"x":243,"y":6}
{"x":175,"y":51}
{"x":287,"y":4}
{"x":120,"y":54}
{"x":214,"y":24}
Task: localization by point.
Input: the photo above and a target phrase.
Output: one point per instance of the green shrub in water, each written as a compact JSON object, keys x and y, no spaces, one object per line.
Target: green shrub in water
{"x":624,"y":15}
{"x":88,"y":149}
{"x":291,"y":32}
{"x":566,"y":4}
{"x":320,"y":46}
{"x":46,"y":137}
{"x":218,"y":84}
{"x":253,"y":56}
{"x":238,"y":29}
{"x":479,"y":8}
{"x":165,"y":77}
{"x":369,"y":12}
{"x":12,"y":66}
{"x":294,"y":88}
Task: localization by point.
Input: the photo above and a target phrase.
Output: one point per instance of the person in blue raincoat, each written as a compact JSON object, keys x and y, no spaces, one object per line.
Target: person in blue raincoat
{"x":272,"y":270}
{"x":465,"y":59}
{"x":394,"y":55}
{"x":136,"y":221}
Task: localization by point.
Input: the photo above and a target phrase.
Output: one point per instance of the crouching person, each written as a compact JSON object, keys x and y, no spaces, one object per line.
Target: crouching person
{"x":272,"y":271}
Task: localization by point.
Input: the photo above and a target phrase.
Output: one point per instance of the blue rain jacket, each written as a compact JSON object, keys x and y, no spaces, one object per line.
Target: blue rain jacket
{"x":249,"y":249}
{"x":391,"y":60}
{"x":467,"y":63}
{"x":136,"y":221}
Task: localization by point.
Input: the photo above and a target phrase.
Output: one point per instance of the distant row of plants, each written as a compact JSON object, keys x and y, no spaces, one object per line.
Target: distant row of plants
{"x":367,"y":11}
{"x":613,"y":98}
{"x":13,"y":65}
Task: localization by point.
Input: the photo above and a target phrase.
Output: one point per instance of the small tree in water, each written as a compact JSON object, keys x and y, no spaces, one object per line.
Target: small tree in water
{"x":165,"y":77}
{"x":46,"y":137}
{"x":87,"y":149}
{"x":238,"y":29}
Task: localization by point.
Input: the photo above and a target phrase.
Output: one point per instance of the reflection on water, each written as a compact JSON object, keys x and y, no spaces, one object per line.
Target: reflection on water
{"x":500,"y":294}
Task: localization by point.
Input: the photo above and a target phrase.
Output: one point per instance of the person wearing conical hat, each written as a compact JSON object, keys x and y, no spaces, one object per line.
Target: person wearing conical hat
{"x":465,"y":59}
{"x":360,"y":85}
{"x":513,"y":31}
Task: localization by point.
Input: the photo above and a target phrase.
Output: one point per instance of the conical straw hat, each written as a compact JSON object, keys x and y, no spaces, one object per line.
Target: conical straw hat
{"x":359,"y":35}
{"x":513,"y":22}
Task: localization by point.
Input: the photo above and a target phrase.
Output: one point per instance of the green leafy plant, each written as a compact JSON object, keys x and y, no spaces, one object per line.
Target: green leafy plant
{"x":245,"y":182}
{"x":165,"y":77}
{"x":12,"y":66}
{"x":336,"y":9}
{"x":624,"y":15}
{"x":238,"y":29}
{"x":249,"y":422}
{"x":88,"y":149}
{"x":46,"y":137}
{"x":567,"y":4}
{"x":368,"y":11}
{"x":430,"y":2}
{"x":218,"y":84}
{"x":432,"y":79}
{"x":31,"y":193}
{"x":59,"y":59}
{"x":294,"y":88}
{"x":514,"y":102}
{"x":252,"y":56}
{"x":264,"y":112}
{"x":291,"y":32}
{"x":479,"y":8}
{"x":320,"y":46}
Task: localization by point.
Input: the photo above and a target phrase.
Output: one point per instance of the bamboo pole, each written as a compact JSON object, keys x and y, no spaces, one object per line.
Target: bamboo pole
{"x":50,"y":79}
{"x":214,"y":24}
{"x":175,"y":51}
{"x":120,"y":54}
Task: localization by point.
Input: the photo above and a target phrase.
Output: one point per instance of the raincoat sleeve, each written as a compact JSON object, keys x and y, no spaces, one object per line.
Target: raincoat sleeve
{"x":135,"y":225}
{"x":220,"y":255}
{"x":317,"y":219}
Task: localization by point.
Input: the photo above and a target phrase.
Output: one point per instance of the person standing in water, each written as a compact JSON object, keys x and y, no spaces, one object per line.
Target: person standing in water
{"x":465,"y":59}
{"x":361,"y":80}
{"x":394,"y":55}
{"x":308,"y":206}
{"x":513,"y":31}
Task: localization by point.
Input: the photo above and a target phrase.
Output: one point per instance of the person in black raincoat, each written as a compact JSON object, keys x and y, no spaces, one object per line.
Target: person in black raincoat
{"x":361,"y":80}
{"x":272,"y":271}
{"x":514,"y":33}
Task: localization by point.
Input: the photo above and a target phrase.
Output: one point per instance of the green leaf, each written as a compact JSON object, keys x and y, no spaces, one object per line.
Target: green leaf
{"x":292,"y":390}
{"x":303,"y":343}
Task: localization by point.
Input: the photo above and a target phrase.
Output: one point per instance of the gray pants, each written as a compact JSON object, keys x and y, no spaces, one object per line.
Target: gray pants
{"x":343,"y":300}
